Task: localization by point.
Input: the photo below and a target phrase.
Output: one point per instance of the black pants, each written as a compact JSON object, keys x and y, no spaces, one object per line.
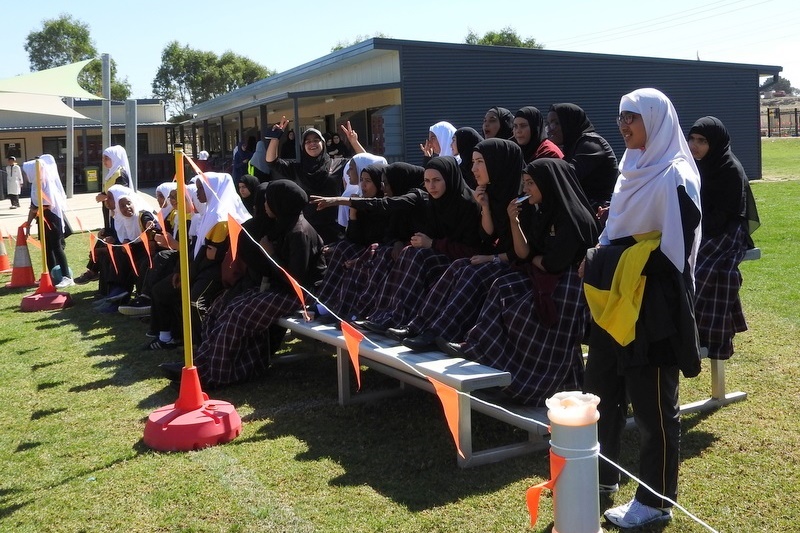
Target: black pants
{"x":166,"y":309}
{"x":653,"y":394}
{"x":54,"y":240}
{"x":14,"y":199}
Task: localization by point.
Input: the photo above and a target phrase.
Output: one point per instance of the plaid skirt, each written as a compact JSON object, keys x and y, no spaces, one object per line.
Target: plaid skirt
{"x":452,"y":305}
{"x":337,"y":274}
{"x":404,"y":289}
{"x":371,"y":273}
{"x":509,"y":336}
{"x":236,"y":348}
{"x":718,"y":309}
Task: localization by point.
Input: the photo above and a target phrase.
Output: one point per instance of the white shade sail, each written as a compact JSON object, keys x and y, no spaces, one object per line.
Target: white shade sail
{"x":40,"y":104}
{"x":58,"y":81}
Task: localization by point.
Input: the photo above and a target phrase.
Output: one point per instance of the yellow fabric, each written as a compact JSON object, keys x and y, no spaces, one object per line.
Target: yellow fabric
{"x":616,"y":310}
{"x":218,"y":233}
{"x":112,"y":180}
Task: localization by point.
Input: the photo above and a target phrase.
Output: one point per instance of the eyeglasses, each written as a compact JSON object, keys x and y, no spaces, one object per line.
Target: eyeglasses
{"x":626,"y":117}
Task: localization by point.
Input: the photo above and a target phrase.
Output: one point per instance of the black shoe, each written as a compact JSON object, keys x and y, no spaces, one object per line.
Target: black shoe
{"x":161,"y":345}
{"x":374,"y":327}
{"x":172,"y":371}
{"x":86,"y":277}
{"x":421,"y":343}
{"x":453,"y":349}
{"x":400,"y":333}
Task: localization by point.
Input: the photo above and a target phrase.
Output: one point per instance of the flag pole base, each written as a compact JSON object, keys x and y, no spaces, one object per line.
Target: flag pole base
{"x":50,"y":301}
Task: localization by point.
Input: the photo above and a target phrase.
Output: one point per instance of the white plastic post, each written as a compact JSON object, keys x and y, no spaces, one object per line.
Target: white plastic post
{"x":573,"y":423}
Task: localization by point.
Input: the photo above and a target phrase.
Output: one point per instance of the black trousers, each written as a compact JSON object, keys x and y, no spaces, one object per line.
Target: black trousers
{"x":54,"y":240}
{"x":653,"y":393}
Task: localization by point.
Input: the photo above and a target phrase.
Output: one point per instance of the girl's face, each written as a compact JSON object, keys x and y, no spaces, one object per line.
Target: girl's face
{"x":352,"y":173}
{"x":479,"y":169}
{"x":554,"y":132}
{"x":244,"y":192}
{"x":434,"y":183}
{"x":522,"y":131}
{"x":454,"y":146}
{"x":201,"y":193}
{"x":313,"y":145}
{"x":698,"y":146}
{"x":109,"y":202}
{"x":173,"y":199}
{"x":434,"y":143}
{"x":126,"y":207}
{"x":336,"y":139}
{"x":107,"y":162}
{"x":387,"y":188}
{"x":631,"y":126}
{"x":530,"y":188}
{"x":491,"y":125}
{"x":368,"y":187}
{"x":160,"y":199}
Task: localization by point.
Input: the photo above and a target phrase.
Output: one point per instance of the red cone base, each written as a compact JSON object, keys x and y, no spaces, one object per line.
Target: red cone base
{"x":46,"y":302}
{"x":193,"y":421}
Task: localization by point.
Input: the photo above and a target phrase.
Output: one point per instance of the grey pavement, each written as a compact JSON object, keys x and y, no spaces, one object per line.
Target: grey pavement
{"x":82,"y":206}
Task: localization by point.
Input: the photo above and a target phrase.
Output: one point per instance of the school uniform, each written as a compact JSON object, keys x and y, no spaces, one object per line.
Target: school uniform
{"x":539,"y":145}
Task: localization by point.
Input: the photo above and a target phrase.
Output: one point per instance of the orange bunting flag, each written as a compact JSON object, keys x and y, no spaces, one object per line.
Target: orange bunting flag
{"x":234,"y":229}
{"x":299,"y":292}
{"x":127,"y":247}
{"x":163,"y":225}
{"x":146,"y":243}
{"x":80,"y":224}
{"x":533,"y":494}
{"x":353,"y":337}
{"x":35,"y":242}
{"x":449,"y":398}
{"x":92,"y":242}
{"x":113,"y":259}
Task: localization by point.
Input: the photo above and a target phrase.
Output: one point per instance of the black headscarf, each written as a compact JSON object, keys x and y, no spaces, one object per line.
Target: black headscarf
{"x":506,"y":122}
{"x":562,"y":196}
{"x":376,"y":173}
{"x":251,"y":182}
{"x":538,"y":131}
{"x":403,"y":177}
{"x":725,"y":190}
{"x":315,"y":169}
{"x":286,"y":200}
{"x":455,"y":215}
{"x":574,"y":124}
{"x":504,"y":163}
{"x":466,"y":139}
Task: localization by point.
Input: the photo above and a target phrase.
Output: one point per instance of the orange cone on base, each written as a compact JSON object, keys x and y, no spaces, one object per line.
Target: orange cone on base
{"x":5,"y":265}
{"x":22,"y":273}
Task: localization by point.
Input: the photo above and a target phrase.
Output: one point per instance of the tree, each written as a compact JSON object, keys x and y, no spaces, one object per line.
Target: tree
{"x":782,"y":84}
{"x":505,"y":37}
{"x":357,"y":39}
{"x":188,"y":77}
{"x":66,"y":40}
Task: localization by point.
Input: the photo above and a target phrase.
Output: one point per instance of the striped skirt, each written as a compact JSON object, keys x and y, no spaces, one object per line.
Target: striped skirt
{"x":509,"y":336}
{"x":337,"y":274}
{"x":718,"y":309}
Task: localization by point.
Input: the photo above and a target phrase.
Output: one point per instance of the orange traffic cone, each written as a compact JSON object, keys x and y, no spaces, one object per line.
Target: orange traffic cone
{"x":22,"y":273}
{"x":5,"y":266}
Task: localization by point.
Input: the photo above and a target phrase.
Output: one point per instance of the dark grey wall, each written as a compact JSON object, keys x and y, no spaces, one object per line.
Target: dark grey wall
{"x":458,"y":83}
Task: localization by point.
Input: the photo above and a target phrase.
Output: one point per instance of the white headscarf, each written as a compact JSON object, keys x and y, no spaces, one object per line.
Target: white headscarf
{"x":444,"y":132}
{"x":645,"y":196}
{"x":119,"y":159}
{"x":127,"y":228}
{"x":221,"y":199}
{"x":52,"y":189}
{"x":361,"y":161}
{"x":166,"y":188}
{"x":199,"y":207}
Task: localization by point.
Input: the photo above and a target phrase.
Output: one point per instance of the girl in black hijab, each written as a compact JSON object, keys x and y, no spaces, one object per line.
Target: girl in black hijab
{"x":589,"y":154}
{"x":240,"y":344}
{"x":451,"y":307}
{"x":464,"y":141}
{"x":530,"y":134}
{"x":532,"y":321}
{"x":729,"y":217}
{"x":498,"y":122}
{"x":247,"y":190}
{"x":452,"y":232}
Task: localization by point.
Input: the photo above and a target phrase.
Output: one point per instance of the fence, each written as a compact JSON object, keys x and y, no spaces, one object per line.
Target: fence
{"x":779,"y":122}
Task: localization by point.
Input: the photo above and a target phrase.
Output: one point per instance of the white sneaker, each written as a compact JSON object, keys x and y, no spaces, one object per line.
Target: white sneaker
{"x":636,"y":514}
{"x":64,"y":283}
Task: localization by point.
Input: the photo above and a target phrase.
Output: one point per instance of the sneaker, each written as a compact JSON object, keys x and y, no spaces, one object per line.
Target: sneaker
{"x":158,"y":344}
{"x":139,"y":306}
{"x":117,"y":294}
{"x":636,"y":514}
{"x":87,"y":277}
{"x":608,"y":489}
{"x":107,"y":308}
{"x":64,"y":283}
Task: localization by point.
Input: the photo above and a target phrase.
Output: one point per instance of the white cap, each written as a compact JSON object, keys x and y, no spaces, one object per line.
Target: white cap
{"x":202,"y":156}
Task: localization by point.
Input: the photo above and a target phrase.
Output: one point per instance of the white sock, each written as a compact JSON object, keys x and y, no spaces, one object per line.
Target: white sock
{"x":165,"y":336}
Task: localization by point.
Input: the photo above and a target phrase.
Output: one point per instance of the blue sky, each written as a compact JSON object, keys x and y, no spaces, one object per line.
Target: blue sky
{"x":282,"y":35}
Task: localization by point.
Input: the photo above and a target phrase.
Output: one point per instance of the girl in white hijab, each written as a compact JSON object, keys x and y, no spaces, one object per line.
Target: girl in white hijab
{"x":54,"y":201}
{"x":645,"y":261}
{"x":351,"y":177}
{"x":440,"y":134}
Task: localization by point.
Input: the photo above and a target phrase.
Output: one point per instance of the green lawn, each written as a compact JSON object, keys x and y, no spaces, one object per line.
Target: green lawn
{"x":77,"y":390}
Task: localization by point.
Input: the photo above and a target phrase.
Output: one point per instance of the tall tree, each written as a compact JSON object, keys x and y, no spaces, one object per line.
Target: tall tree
{"x":505,"y":37}
{"x":66,"y":40}
{"x":781,"y":84}
{"x":188,"y":77}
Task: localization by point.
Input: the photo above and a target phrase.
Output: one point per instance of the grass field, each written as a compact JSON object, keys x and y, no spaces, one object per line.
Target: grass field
{"x":77,"y":390}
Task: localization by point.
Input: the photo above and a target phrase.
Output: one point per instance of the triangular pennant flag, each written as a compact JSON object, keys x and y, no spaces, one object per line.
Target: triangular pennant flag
{"x":163,"y":225}
{"x":80,"y":224}
{"x":35,"y":242}
{"x":299,"y":291}
{"x":353,"y":337}
{"x":449,"y":398}
{"x":534,"y":493}
{"x":234,"y":229}
{"x":127,"y":247}
{"x":146,"y":242}
{"x":111,"y":254}
{"x":46,"y":199}
{"x":92,"y":243}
